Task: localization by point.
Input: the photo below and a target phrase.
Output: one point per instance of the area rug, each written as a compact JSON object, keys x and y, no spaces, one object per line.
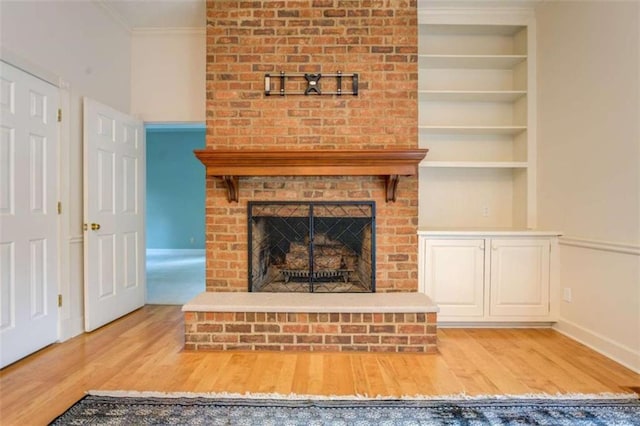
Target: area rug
{"x":146,"y":408}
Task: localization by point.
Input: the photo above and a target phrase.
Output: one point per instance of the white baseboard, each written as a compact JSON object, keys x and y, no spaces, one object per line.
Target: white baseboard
{"x":495,"y":324}
{"x":601,"y":344}
{"x":176,"y":252}
{"x":71,"y":328}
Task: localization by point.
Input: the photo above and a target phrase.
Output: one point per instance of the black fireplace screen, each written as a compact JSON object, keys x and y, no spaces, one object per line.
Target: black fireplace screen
{"x":318,"y":247}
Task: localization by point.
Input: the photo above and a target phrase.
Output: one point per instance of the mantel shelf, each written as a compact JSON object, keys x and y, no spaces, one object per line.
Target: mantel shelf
{"x":230,"y":165}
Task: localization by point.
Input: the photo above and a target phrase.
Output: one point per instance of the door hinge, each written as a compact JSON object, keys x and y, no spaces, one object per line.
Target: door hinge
{"x":59,"y":300}
{"x":59,"y":115}
{"x":59,"y":207}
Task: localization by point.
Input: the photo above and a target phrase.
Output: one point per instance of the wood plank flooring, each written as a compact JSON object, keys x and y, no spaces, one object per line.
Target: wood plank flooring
{"x":143,"y":351}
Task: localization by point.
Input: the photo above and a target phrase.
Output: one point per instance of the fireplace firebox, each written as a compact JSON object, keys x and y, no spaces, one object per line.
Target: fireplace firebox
{"x":316,"y":247}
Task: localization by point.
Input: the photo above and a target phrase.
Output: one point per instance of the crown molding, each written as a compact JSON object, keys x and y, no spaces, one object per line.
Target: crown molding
{"x":114,"y":15}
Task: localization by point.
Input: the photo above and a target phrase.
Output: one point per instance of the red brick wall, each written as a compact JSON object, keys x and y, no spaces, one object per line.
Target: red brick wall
{"x":376,"y":39}
{"x":327,"y":332}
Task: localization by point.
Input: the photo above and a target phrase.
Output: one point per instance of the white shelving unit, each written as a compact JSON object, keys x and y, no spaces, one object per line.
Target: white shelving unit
{"x":477,"y":118}
{"x":481,"y":258}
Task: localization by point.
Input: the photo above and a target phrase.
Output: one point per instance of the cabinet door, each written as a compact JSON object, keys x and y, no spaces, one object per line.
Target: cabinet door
{"x":454,"y":274}
{"x":519,"y":277}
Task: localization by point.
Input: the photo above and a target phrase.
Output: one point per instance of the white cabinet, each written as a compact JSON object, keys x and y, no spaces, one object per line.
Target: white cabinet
{"x":483,"y":277}
{"x":476,"y":102}
{"x":455,"y":275}
{"x":519,"y":277}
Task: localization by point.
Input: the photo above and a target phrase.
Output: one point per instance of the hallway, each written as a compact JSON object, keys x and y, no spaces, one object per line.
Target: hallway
{"x":174,"y":278}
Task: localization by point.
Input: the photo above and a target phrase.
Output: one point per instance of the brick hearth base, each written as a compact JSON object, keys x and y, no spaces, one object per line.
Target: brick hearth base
{"x":380,"y":322}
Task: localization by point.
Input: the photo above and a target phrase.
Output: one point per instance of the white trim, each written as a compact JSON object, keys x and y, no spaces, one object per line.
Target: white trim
{"x":65,"y":322}
{"x":76,"y":239}
{"x":144,"y":31}
{"x":601,"y":344}
{"x":29,"y":67}
{"x":496,"y":13}
{"x":114,"y":15}
{"x":176,"y":252}
{"x":495,"y":324}
{"x":176,"y":126}
{"x":485,"y":232}
{"x":625,"y":248}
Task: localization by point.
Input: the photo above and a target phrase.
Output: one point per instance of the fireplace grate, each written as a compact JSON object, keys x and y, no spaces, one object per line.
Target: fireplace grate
{"x":312,"y":246}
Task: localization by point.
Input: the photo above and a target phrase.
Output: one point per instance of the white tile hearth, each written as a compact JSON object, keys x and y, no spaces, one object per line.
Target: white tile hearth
{"x":311,"y":302}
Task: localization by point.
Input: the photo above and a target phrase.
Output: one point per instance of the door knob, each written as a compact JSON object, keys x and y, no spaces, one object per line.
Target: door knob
{"x":95,"y":226}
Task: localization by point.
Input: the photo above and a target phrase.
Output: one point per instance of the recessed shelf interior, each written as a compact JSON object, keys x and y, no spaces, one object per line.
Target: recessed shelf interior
{"x":480,"y":79}
{"x":473,"y":113}
{"x":436,"y":39}
{"x":474,"y":117}
{"x":472,"y":197}
{"x":490,"y":147}
{"x":471,"y":96}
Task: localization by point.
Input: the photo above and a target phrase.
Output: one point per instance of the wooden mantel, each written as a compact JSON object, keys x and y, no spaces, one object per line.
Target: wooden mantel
{"x":229,"y":165}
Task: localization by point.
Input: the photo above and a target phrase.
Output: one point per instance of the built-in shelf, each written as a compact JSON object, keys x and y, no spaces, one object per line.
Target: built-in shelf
{"x":477,"y":164}
{"x":230,"y":165}
{"x":471,"y":96}
{"x":476,"y":100}
{"x":471,"y":61}
{"x":484,"y":232}
{"x":473,"y":130}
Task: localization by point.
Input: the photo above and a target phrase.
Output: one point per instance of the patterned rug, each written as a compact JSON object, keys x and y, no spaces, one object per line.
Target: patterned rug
{"x":281,"y":410}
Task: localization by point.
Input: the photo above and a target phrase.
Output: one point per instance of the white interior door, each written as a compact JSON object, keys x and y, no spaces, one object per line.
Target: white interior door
{"x":28,"y":214}
{"x":114,"y":191}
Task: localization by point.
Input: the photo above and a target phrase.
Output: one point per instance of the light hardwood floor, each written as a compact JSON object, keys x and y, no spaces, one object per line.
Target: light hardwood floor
{"x":143,"y":351}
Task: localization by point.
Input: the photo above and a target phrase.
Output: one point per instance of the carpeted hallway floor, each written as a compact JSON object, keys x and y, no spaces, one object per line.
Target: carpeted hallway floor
{"x":174,"y":278}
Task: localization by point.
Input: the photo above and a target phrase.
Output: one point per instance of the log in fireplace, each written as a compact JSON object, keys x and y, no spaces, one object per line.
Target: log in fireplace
{"x":312,"y":246}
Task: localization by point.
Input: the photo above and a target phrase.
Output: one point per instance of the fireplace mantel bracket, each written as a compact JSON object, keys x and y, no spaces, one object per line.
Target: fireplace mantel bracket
{"x":391,"y":185}
{"x":232,"y":183}
{"x":230,"y":165}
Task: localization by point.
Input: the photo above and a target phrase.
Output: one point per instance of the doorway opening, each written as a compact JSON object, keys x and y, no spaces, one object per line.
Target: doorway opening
{"x":175,"y":213}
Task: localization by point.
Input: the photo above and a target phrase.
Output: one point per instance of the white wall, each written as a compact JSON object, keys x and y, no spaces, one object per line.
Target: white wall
{"x":589,"y":166}
{"x":84,"y":47}
{"x":168,"y":75}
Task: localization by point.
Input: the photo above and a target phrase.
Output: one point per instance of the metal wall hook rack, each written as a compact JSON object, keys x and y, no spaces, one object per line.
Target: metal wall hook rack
{"x":313,"y":83}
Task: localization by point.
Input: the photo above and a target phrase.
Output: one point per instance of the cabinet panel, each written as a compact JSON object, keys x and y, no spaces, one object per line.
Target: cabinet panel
{"x":519,"y":278}
{"x":455,"y":276}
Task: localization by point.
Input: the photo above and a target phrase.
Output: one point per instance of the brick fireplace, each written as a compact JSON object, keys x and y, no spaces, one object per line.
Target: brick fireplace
{"x":311,"y":148}
{"x":375,"y":38}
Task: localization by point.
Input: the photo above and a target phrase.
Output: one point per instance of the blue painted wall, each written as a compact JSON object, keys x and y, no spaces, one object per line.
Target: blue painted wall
{"x":175,"y":188}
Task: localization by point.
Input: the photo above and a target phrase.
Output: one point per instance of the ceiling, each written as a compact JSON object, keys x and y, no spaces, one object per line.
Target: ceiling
{"x":136,"y":14}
